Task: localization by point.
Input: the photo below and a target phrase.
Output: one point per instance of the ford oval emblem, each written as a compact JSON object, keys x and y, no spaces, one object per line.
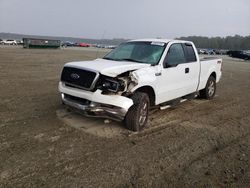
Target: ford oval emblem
{"x":75,"y":76}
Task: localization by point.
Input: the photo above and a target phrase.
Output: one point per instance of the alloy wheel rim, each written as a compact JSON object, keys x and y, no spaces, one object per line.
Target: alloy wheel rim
{"x":211,"y":88}
{"x":143,"y":114}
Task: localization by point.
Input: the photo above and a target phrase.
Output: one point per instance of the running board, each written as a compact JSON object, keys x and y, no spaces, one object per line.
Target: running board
{"x":164,"y":107}
{"x":177,"y":101}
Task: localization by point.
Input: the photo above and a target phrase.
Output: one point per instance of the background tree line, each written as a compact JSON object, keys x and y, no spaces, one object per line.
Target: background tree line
{"x":236,"y":42}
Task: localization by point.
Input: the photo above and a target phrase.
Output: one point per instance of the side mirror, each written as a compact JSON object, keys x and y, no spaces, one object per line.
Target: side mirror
{"x":168,"y":62}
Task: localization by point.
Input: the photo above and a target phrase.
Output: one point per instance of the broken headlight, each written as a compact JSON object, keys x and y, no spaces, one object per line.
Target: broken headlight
{"x":109,"y":84}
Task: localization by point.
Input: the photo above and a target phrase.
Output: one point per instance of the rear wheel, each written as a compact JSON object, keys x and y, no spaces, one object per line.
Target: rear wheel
{"x":209,"y":91}
{"x":137,"y":115}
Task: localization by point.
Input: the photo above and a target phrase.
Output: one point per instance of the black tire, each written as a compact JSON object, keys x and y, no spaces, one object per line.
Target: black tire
{"x":209,"y":91}
{"x":137,"y":115}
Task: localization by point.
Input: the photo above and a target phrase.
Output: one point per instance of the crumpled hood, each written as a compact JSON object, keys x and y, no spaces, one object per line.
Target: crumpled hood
{"x":108,"y":67}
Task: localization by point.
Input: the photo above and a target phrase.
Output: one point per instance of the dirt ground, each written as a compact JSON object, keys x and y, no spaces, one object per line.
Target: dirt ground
{"x":196,"y":144}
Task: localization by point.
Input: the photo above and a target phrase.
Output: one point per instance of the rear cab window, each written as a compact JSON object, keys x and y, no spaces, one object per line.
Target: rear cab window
{"x":189,"y":52}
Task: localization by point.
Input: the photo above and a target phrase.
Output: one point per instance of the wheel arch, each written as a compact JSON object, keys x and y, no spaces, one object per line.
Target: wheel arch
{"x":213,"y":74}
{"x":149,"y":91}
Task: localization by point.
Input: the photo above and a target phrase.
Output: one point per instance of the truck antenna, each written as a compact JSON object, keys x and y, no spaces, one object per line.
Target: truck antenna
{"x":98,"y":48}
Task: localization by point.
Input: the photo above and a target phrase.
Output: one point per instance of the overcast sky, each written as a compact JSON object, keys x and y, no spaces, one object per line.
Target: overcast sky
{"x":126,"y":18}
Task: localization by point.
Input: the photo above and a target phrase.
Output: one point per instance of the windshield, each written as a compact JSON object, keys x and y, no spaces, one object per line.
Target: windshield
{"x":141,"y":52}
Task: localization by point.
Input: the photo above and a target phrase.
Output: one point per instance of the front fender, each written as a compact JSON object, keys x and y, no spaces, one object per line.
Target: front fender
{"x":145,"y":77}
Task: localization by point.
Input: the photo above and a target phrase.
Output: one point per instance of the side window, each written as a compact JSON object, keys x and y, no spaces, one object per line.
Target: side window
{"x":190,"y":54}
{"x":175,"y":56}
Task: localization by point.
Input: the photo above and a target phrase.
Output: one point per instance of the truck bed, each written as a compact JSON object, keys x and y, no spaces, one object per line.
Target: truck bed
{"x":210,"y":63}
{"x":208,"y":58}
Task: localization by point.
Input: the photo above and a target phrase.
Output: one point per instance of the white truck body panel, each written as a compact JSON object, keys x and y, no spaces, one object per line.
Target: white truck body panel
{"x":97,"y":96}
{"x":207,"y":67}
{"x":108,"y":67}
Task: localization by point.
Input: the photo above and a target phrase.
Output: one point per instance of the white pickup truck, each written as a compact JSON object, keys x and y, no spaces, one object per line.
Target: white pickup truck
{"x":137,"y":75}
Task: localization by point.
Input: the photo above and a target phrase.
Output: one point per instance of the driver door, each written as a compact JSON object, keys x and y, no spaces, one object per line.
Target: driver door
{"x":172,"y":83}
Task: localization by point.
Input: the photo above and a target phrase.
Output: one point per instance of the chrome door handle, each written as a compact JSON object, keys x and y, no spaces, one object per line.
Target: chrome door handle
{"x":158,"y":74}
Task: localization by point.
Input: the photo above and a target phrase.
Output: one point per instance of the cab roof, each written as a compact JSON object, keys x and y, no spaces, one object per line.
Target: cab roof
{"x":157,"y":40}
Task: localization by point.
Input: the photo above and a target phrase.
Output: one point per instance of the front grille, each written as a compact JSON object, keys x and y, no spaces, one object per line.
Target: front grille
{"x":79,"y":78}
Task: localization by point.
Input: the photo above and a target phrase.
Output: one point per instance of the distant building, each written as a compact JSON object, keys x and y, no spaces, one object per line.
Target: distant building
{"x":41,"y":43}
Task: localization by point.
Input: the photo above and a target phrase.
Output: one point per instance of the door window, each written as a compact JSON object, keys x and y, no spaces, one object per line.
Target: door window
{"x":175,"y":55}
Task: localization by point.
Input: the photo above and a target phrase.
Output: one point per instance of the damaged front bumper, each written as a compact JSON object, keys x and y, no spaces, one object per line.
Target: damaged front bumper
{"x":95,"y":103}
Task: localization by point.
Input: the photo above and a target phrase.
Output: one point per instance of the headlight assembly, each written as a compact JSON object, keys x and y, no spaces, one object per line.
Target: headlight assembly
{"x":111,"y":85}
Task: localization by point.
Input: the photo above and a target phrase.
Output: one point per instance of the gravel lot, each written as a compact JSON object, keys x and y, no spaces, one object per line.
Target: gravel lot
{"x":196,"y":144}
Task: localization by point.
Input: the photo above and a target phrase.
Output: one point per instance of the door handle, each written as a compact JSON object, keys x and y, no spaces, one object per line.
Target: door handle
{"x":158,"y":74}
{"x":186,"y":70}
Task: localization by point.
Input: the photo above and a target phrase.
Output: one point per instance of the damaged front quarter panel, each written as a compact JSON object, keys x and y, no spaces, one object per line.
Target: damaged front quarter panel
{"x":135,"y":79}
{"x":130,"y":80}
{"x":143,"y":77}
{"x":125,"y":83}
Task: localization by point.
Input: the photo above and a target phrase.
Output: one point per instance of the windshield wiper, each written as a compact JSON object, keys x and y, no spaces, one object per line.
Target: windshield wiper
{"x":125,"y":59}
{"x":108,"y":58}
{"x":129,"y":59}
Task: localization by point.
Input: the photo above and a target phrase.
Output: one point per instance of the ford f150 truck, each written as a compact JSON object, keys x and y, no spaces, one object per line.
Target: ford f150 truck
{"x":137,"y":75}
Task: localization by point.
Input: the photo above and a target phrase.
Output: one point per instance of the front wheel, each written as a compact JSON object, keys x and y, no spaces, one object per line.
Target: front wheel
{"x":137,"y":115}
{"x":209,"y":91}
